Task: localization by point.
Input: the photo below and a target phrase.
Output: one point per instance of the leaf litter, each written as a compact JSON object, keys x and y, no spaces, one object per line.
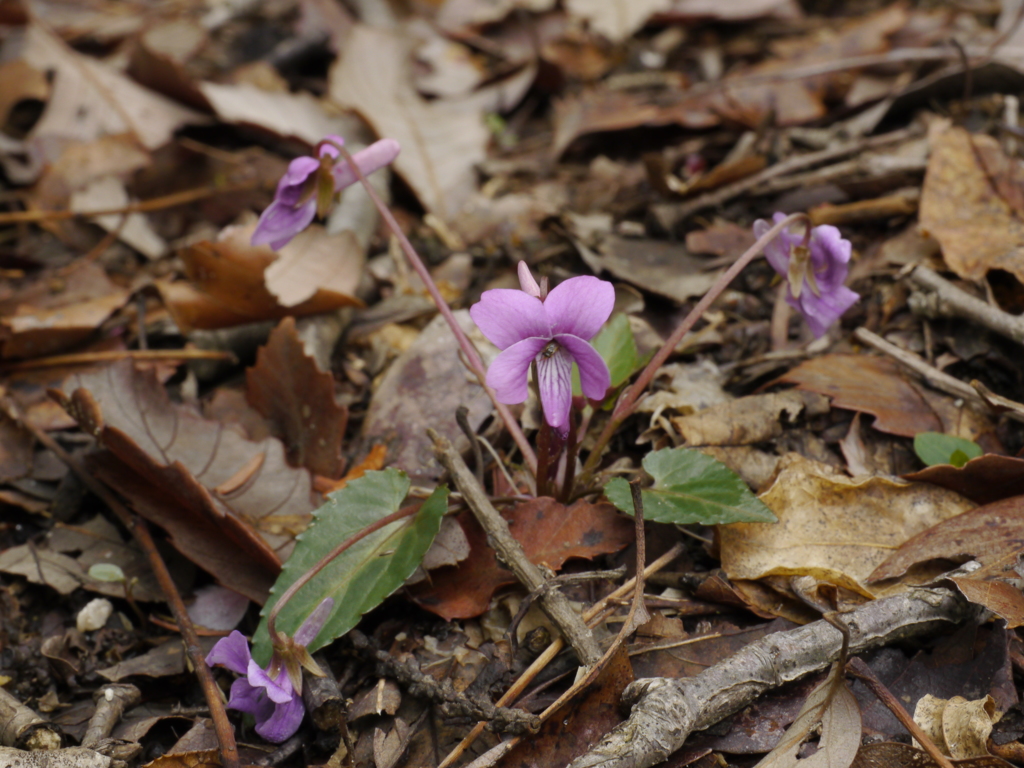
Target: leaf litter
{"x":582,"y":137}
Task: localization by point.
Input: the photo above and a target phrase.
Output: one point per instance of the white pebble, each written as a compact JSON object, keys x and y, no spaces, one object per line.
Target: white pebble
{"x":94,"y":615}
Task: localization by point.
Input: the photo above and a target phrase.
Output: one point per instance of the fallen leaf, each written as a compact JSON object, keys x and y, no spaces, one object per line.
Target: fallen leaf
{"x":869,"y":385}
{"x":217,"y":608}
{"x":107,"y":193}
{"x":167,"y":460}
{"x":750,"y":419}
{"x":227,"y":285}
{"x":984,"y":534}
{"x":34,"y":332}
{"x":831,"y":707}
{"x":616,"y":19}
{"x":442,"y":140}
{"x":16,"y":450}
{"x":315,"y":261}
{"x":209,"y":758}
{"x":958,"y":727}
{"x":550,"y":534}
{"x":41,"y":566}
{"x":423,"y":388}
{"x":572,"y":730}
{"x":964,"y":211}
{"x":288,"y":388}
{"x":832,"y":528}
{"x":166,"y":659}
{"x":983,"y":480}
{"x":1004,"y":599}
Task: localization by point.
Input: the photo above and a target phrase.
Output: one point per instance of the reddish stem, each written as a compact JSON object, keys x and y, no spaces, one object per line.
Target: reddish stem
{"x":476,"y":363}
{"x":630,"y":396}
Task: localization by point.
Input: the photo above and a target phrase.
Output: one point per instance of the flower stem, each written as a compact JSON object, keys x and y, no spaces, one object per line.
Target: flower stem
{"x":572,"y":448}
{"x":628,"y":400}
{"x":476,"y":364}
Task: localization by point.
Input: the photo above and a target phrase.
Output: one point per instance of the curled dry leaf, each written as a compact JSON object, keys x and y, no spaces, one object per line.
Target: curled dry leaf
{"x":869,"y":385}
{"x":983,"y":480}
{"x":170,"y":462}
{"x":985,"y":534}
{"x":227,"y":285}
{"x":877,"y":514}
{"x":550,"y":533}
{"x":288,"y":387}
{"x":957,"y":726}
{"x":748,"y":420}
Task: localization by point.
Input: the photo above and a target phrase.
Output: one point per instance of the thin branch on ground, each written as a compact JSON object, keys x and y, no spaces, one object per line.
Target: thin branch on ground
{"x":138,"y":528}
{"x":666,"y":711}
{"x":940,"y":298}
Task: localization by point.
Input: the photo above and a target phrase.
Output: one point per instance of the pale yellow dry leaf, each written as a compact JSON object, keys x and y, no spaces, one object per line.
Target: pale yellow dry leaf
{"x":832,"y":528}
{"x":959,"y":728}
{"x":616,"y":19}
{"x":108,"y":193}
{"x":314,"y":261}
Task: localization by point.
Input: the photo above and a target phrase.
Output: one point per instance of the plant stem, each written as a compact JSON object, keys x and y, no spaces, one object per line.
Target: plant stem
{"x":476,"y":363}
{"x":627,"y":401}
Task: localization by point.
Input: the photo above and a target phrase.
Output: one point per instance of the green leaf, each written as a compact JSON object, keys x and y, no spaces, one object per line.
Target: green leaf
{"x":106,"y":572}
{"x":616,"y":345}
{"x":691,"y":487}
{"x":367,"y":572}
{"x":936,"y":448}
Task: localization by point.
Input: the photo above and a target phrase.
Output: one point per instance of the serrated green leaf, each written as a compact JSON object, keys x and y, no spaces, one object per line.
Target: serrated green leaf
{"x":936,"y":448}
{"x":106,"y":572}
{"x":617,"y":347}
{"x":364,"y":574}
{"x":691,"y":487}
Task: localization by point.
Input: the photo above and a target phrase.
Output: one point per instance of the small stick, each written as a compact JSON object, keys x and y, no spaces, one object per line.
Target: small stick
{"x":863,"y":672}
{"x":554,"y":603}
{"x":138,"y":528}
{"x":596,"y":611}
{"x":946,"y":300}
{"x":21,"y":727}
{"x":111,"y":702}
{"x":932,"y":376}
{"x":85,"y":358}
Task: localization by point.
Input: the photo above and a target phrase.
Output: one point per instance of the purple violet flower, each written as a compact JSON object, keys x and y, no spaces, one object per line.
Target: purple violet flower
{"x":552,"y":332}
{"x":815,"y":273}
{"x":309,"y":185}
{"x":267,"y":694}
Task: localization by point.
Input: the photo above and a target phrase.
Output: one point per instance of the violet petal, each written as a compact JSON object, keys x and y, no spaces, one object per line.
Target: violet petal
{"x":580,"y":306}
{"x":509,"y":372}
{"x":821,"y":312}
{"x":506,"y":316}
{"x":279,"y":690}
{"x":245,"y":698}
{"x":280,"y":222}
{"x":779,"y":250}
{"x":283,"y":722}
{"x":830,"y":257}
{"x":554,"y":376}
{"x":370,"y":159}
{"x":231,"y":652}
{"x":594,"y":376}
{"x":299,"y":169}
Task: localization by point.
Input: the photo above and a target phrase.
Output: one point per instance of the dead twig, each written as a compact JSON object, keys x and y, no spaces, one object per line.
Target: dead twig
{"x":510,"y":551}
{"x":940,"y":298}
{"x":863,"y":672}
{"x":111,"y":702}
{"x":138,"y":528}
{"x":21,"y":727}
{"x":666,"y":711}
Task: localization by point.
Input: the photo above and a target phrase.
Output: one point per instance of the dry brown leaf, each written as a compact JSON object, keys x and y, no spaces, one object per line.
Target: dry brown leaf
{"x":228,"y":285}
{"x":748,"y":420}
{"x":616,"y":19}
{"x":316,"y":261}
{"x":288,"y":387}
{"x":423,"y":388}
{"x":958,"y":727}
{"x":985,"y":534}
{"x":983,"y":480}
{"x":870,"y":385}
{"x":168,"y":461}
{"x":34,"y":332}
{"x":965,"y":211}
{"x":830,"y":527}
{"x":108,"y":193}
{"x":442,"y":140}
